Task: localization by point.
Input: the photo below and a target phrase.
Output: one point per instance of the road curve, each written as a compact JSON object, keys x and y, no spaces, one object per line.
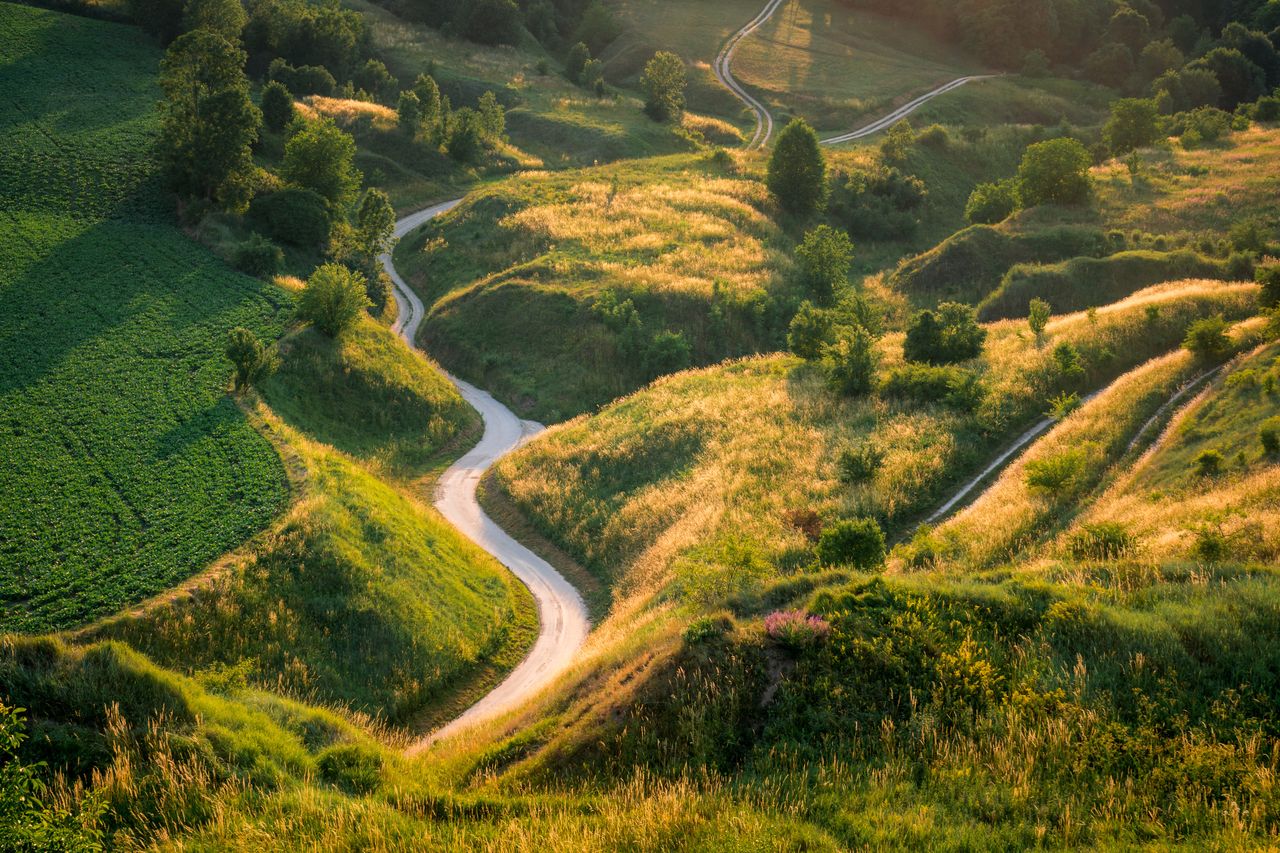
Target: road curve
{"x":562,"y":615}
{"x":764,"y":121}
{"x":723,"y":72}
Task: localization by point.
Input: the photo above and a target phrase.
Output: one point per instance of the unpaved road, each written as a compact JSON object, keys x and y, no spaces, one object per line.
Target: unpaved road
{"x":764,"y":121}
{"x":562,"y":615}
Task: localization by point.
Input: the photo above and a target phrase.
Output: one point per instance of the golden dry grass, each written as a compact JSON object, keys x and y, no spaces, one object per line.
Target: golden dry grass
{"x":348,"y":112}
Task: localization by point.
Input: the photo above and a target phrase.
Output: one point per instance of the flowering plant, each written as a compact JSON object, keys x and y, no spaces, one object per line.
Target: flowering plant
{"x":796,"y":629}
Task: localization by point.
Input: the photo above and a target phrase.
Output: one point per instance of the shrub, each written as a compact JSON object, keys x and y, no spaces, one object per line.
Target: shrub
{"x":575,"y":61}
{"x":1054,"y":172}
{"x":704,"y":628}
{"x":293,"y":215}
{"x":880,"y":203}
{"x":1202,"y":125}
{"x":1056,"y":475}
{"x":1106,"y":540}
{"x":409,"y":113}
{"x":277,"y":106}
{"x":333,"y":299}
{"x":465,"y":139}
{"x":304,"y":79}
{"x":374,"y":78}
{"x":810,"y":332}
{"x":1210,"y":463}
{"x":991,"y":203}
{"x":897,"y":142}
{"x":1134,"y":123}
{"x":1207,"y":338}
{"x":1210,"y":544}
{"x":1239,"y":266}
{"x":824,"y":256}
{"x":664,"y":81}
{"x":1038,"y":315}
{"x":934,"y":136}
{"x":859,"y":464}
{"x":1269,"y":435}
{"x":851,"y":362}
{"x":667,"y":352}
{"x":797,"y":170}
{"x":1268,"y":276}
{"x":950,"y":334}
{"x":857,"y":542}
{"x":925,"y":383}
{"x":258,"y":256}
{"x":796,"y":629}
{"x":1267,"y":109}
{"x":354,"y":768}
{"x":250,"y":358}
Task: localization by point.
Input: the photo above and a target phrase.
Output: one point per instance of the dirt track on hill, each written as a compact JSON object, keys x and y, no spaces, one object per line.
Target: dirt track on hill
{"x":562,"y":615}
{"x":764,"y":121}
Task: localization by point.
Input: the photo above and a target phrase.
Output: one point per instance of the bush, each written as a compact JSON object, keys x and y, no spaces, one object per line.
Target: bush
{"x":466,"y":135}
{"x":824,"y":256}
{"x":946,"y":336}
{"x":991,"y":203}
{"x":258,"y":256}
{"x":810,"y":332}
{"x":1210,"y":463}
{"x":251,"y":359}
{"x":851,"y":362}
{"x":355,"y":768}
{"x":1267,"y":109}
{"x":857,"y":542}
{"x":304,"y":79}
{"x":1134,"y":123}
{"x":667,"y":352}
{"x":705,"y":628}
{"x":1208,"y":338}
{"x":796,"y":629}
{"x":294,"y":215}
{"x":1038,"y":313}
{"x":1210,"y":544}
{"x":942,"y":384}
{"x":1054,"y":172}
{"x":1107,"y":540}
{"x":1202,"y":126}
{"x":859,"y":464}
{"x":333,"y":299}
{"x":1057,"y":475}
{"x":277,"y":106}
{"x":1269,"y":435}
{"x":880,"y":203}
{"x":374,"y":78}
{"x":934,"y":136}
{"x":575,"y":61}
{"x":797,"y":170}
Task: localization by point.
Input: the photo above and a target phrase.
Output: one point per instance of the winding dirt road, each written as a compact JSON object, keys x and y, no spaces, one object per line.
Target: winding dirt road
{"x":562,"y":615}
{"x":764,"y":121}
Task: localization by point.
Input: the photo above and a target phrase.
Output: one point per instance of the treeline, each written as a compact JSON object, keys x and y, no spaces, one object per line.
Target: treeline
{"x":1192,"y":53}
{"x":554,"y":23}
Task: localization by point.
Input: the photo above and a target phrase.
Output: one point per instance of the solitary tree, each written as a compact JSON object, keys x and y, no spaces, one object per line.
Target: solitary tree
{"x":209,"y":123}
{"x":1134,"y":123}
{"x":1038,"y":316}
{"x":797,"y":170}
{"x":428,"y":99}
{"x":321,"y":157}
{"x":664,"y":82}
{"x":333,"y":299}
{"x":1054,"y":172}
{"x":824,"y":256}
{"x":576,"y":60}
{"x":493,"y":118}
{"x":277,"y":106}
{"x":252,"y":360}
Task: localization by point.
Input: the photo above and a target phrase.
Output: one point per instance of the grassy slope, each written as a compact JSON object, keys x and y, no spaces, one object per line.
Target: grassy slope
{"x":127,"y":468}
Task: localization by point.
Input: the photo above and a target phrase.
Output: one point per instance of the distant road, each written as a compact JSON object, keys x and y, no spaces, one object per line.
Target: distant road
{"x":562,"y":615}
{"x":764,"y":121}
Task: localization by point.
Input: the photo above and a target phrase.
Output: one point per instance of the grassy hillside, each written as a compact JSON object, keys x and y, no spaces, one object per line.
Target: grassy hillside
{"x":127,"y":467}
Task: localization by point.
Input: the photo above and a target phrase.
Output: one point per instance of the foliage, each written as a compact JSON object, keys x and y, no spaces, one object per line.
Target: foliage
{"x":897,"y":142}
{"x":1207,"y":338}
{"x":575,"y":61}
{"x":923,"y":384}
{"x":1038,"y":316}
{"x":991,"y":203}
{"x":227,"y":18}
{"x":1210,"y":463}
{"x":302,"y":80}
{"x":851,"y":362}
{"x":277,"y":106}
{"x":1058,"y":475}
{"x":353,"y":767}
{"x":859,"y":464}
{"x":209,"y":123}
{"x":664,"y":82}
{"x":824,"y":257}
{"x":810,"y":331}
{"x":856,"y":542}
{"x":429,"y":104}
{"x":1269,"y":436}
{"x":490,"y":21}
{"x":1134,"y":123}
{"x":948,"y":335}
{"x":319,"y":156}
{"x":375,"y":224}
{"x":1054,"y":172}
{"x":797,"y":170}
{"x":258,"y":256}
{"x":1268,"y":276}
{"x":409,"y":113}
{"x":880,"y":203}
{"x":334,"y":299}
{"x":374,"y":79}
{"x":292,"y":215}
{"x":1105,"y":540}
{"x":252,"y":360}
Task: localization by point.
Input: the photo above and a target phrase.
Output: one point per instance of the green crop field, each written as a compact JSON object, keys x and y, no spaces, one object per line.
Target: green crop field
{"x":126,"y":467}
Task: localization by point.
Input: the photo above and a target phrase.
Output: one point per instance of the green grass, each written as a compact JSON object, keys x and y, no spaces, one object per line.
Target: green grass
{"x":369,"y":395}
{"x":127,"y":467}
